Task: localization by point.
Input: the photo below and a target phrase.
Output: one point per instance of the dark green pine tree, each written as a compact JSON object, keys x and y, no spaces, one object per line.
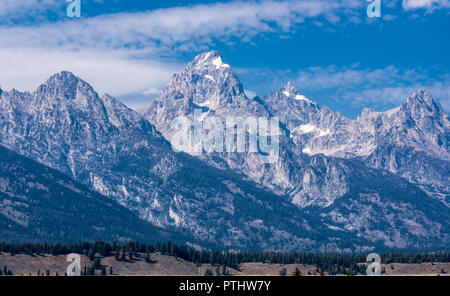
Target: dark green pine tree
{"x":130,"y":255}
{"x":91,"y":270}
{"x":91,"y":254}
{"x":218,"y":271}
{"x":209,"y":272}
{"x":97,"y":263}
{"x":224,"y":270}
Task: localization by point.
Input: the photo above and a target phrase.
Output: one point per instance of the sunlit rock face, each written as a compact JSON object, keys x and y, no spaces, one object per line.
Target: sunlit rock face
{"x":336,"y":184}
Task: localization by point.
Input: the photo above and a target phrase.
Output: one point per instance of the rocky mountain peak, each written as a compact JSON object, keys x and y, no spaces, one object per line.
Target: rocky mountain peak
{"x":367,"y":111}
{"x":422,"y":110}
{"x":291,"y":92}
{"x":66,"y":89}
{"x":420,"y":96}
{"x":422,"y":100}
{"x":206,"y":82}
{"x":64,"y":79}
{"x":290,"y":87}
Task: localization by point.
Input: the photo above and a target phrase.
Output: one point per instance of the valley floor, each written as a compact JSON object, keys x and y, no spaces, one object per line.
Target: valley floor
{"x":167,"y":265}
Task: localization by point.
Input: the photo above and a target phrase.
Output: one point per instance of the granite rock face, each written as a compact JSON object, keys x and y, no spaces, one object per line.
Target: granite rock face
{"x":336,"y":184}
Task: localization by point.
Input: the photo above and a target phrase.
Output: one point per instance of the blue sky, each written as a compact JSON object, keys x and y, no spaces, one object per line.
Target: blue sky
{"x":331,"y":51}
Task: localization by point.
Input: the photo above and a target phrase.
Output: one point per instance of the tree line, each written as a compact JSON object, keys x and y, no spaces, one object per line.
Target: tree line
{"x":330,"y":263}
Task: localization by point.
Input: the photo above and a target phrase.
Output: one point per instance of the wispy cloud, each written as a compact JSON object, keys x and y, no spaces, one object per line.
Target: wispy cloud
{"x":15,"y":10}
{"x":428,"y":4}
{"x":122,"y":45}
{"x":377,"y":88}
{"x":15,"y":7}
{"x":108,"y":72}
{"x":179,"y":27}
{"x":332,"y":76}
{"x":109,"y":49}
{"x":383,"y":98}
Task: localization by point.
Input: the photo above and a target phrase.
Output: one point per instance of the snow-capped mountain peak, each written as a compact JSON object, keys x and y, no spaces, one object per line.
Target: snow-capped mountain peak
{"x":211,"y":60}
{"x":206,"y":82}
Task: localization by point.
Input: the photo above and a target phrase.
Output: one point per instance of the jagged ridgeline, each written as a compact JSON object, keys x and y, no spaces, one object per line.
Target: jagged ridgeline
{"x":379,"y":181}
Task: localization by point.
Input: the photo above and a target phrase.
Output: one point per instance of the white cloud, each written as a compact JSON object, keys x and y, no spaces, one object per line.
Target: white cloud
{"x":25,"y":7}
{"x":183,"y":28}
{"x":107,"y":72}
{"x":251,"y":94}
{"x":109,"y":49}
{"x":377,"y":88}
{"x":383,"y":98}
{"x":354,"y":86}
{"x":151,"y":91}
{"x":180,"y":27}
{"x":332,"y":77}
{"x":29,"y":11}
{"x":428,"y":4}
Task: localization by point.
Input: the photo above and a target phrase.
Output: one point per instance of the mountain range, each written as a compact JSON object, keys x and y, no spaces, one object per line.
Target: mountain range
{"x":379,"y":181}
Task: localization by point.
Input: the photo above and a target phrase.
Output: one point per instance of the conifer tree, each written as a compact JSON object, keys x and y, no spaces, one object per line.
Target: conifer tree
{"x":97,"y":263}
